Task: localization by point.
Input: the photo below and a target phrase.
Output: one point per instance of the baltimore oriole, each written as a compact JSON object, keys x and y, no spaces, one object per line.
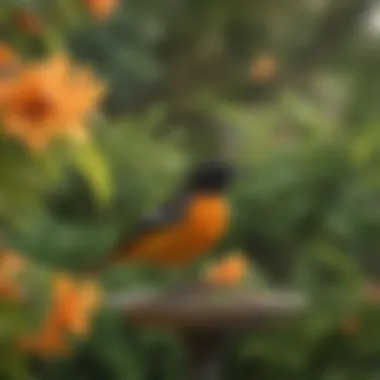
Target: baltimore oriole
{"x":187,"y":225}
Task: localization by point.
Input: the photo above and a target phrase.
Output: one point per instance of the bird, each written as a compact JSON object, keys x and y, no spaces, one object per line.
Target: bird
{"x":190,"y":223}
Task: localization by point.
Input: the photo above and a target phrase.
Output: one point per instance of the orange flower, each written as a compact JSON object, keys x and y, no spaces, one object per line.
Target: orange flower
{"x":72,"y":308}
{"x":11,"y":262}
{"x":76,"y":309}
{"x":49,"y":340}
{"x":48,"y":99}
{"x":8,"y":57}
{"x":27,"y":22}
{"x":11,"y":265}
{"x":229,"y":271}
{"x":87,"y":300}
{"x":264,"y":69}
{"x":10,"y":63}
{"x":101,"y":9}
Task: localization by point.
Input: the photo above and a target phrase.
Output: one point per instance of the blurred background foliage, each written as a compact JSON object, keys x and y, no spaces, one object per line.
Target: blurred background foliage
{"x":187,"y":79}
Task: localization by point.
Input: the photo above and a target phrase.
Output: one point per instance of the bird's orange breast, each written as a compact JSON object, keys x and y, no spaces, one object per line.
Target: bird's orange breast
{"x":202,"y":226}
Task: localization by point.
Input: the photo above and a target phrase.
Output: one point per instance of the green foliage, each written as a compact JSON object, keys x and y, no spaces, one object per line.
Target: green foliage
{"x":300,"y":200}
{"x":306,"y":204}
{"x":27,"y":177}
{"x":143,"y":169}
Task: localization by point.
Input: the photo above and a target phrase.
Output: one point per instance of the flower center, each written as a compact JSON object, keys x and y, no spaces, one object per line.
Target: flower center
{"x":36,"y":109}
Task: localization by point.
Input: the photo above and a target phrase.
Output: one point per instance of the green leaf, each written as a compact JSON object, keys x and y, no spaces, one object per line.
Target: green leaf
{"x":91,"y":164}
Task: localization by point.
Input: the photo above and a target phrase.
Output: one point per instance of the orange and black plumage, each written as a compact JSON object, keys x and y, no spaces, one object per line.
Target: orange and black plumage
{"x":186,"y":226}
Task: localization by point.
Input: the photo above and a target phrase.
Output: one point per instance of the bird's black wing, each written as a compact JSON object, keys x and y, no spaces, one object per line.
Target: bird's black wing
{"x":167,"y":214}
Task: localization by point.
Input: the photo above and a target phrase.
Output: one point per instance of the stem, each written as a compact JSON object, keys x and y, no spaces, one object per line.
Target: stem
{"x":63,"y":17}
{"x":53,"y":41}
{"x":68,"y":13}
{"x":204,"y":354}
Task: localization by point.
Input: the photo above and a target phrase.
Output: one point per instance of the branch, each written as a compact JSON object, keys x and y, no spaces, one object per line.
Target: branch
{"x":210,"y":308}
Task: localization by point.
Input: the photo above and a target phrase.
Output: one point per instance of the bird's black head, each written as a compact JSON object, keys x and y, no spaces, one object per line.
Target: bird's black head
{"x":211,"y":176}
